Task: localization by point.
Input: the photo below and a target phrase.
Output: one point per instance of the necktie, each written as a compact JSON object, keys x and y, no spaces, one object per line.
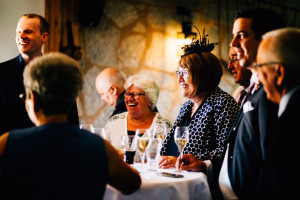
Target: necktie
{"x":242,"y":95}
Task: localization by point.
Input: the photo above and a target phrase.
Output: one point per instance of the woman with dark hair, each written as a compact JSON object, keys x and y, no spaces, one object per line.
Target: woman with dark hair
{"x":209,"y":113}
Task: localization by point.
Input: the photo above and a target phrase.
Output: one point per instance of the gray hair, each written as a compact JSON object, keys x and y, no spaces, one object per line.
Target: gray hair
{"x":284,"y":47}
{"x":56,"y":79}
{"x":147,"y":84}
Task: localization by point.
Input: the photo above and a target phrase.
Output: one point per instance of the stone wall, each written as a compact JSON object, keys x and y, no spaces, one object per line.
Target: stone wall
{"x":140,"y":37}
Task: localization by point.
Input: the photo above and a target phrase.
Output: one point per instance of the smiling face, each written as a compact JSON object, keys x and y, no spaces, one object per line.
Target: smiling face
{"x":244,"y":42}
{"x":138,"y":106}
{"x":187,"y":88}
{"x":29,"y":38}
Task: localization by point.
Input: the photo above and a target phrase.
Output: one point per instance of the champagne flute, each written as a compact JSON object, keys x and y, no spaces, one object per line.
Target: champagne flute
{"x":143,"y":137}
{"x":181,"y":137}
{"x":160,"y":130}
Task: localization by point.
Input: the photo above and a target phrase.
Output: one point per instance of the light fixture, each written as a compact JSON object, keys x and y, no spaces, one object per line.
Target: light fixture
{"x":186,"y":36}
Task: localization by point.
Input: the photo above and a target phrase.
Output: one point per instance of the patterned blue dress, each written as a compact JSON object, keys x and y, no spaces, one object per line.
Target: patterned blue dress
{"x":208,"y":127}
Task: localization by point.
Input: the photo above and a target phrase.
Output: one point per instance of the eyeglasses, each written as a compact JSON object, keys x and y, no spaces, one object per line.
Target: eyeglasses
{"x":183,"y":74}
{"x":22,"y":96}
{"x":233,"y":61}
{"x":255,"y":65}
{"x":134,"y":95}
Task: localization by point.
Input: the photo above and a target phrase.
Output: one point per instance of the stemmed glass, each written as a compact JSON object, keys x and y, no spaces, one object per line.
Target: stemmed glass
{"x":160,"y":130}
{"x":129,"y":148}
{"x":88,"y":127}
{"x":181,"y":137}
{"x":143,"y":137}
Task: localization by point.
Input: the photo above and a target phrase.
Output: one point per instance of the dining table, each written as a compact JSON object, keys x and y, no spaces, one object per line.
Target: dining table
{"x":190,"y":186}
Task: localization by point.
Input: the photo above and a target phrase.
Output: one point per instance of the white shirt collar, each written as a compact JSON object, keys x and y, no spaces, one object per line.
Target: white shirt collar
{"x":285,"y":99}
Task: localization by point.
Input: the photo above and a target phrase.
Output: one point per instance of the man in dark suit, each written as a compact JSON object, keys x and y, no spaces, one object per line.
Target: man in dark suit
{"x":278,"y":69}
{"x":31,"y":34}
{"x":239,"y":173}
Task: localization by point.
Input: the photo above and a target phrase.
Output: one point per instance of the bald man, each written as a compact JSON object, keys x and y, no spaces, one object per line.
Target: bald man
{"x":110,"y":85}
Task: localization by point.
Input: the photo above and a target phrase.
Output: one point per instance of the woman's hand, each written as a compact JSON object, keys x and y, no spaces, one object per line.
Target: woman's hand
{"x":167,"y":161}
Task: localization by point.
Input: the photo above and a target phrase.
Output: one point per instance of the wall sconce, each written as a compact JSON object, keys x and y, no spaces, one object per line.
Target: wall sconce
{"x":185,"y":37}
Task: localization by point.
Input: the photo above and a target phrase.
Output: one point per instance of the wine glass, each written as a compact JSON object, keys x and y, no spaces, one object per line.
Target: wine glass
{"x":143,"y":137}
{"x":129,"y":147}
{"x":160,"y":130}
{"x":181,"y":137}
{"x":88,"y":127}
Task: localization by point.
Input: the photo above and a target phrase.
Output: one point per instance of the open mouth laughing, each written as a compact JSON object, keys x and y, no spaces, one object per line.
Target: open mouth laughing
{"x":132,"y":104}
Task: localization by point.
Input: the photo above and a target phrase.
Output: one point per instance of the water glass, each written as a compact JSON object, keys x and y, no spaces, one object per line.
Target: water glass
{"x":153,"y":153}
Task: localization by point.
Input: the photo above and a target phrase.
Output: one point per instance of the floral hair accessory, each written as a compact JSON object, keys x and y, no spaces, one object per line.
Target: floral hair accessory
{"x":199,"y":46}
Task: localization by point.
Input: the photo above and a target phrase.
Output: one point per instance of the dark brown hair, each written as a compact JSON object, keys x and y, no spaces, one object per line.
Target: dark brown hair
{"x":43,"y":22}
{"x":264,"y":20}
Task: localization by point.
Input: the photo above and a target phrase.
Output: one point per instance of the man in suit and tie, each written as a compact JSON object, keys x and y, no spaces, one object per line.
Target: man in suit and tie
{"x":239,"y":173}
{"x":279,"y":71}
{"x":31,"y":34}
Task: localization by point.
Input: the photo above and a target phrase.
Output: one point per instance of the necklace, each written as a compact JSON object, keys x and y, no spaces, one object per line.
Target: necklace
{"x":137,"y":124}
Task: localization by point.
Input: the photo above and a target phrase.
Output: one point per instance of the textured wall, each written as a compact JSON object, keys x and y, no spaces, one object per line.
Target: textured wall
{"x":141,"y":38}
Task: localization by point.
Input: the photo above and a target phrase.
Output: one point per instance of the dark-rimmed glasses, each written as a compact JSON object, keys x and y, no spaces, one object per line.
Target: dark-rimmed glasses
{"x":184,"y":74}
{"x":255,"y":65}
{"x":134,"y":95}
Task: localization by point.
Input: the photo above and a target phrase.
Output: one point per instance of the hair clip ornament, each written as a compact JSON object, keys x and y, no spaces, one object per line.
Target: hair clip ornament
{"x":199,"y":46}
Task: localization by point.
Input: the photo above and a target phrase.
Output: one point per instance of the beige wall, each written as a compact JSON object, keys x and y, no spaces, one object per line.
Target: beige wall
{"x":141,"y":38}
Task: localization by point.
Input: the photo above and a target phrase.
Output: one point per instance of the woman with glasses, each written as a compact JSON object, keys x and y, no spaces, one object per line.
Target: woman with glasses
{"x":209,"y":112}
{"x":140,"y":99}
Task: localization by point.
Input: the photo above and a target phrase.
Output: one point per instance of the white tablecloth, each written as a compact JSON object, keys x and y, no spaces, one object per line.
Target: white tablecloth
{"x":193,"y":186}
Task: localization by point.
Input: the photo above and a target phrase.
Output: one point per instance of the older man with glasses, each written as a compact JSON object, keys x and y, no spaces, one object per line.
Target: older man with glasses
{"x":279,"y":71}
